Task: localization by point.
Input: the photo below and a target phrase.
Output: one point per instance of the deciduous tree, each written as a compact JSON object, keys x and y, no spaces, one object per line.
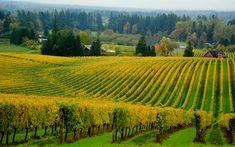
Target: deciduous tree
{"x":166,"y":46}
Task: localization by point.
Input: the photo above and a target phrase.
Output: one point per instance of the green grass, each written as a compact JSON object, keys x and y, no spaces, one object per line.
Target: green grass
{"x":5,"y":46}
{"x":183,"y":138}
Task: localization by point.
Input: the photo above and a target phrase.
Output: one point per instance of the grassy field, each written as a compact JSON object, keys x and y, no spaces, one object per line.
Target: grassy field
{"x":183,"y":138}
{"x":121,"y":50}
{"x":5,"y":46}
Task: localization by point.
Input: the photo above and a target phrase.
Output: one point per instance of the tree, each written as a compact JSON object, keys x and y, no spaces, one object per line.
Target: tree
{"x":49,"y":45}
{"x":193,"y":39}
{"x":96,"y":47}
{"x":151,"y":51}
{"x":182,"y":29}
{"x":231,"y":22}
{"x":134,"y":29}
{"x":62,"y":43}
{"x":142,"y":48}
{"x":46,"y":31}
{"x":78,"y":47}
{"x":1,"y":26}
{"x":188,"y":51}
{"x":232,"y":39}
{"x":99,"y":22}
{"x":65,"y":43}
{"x":108,"y":32}
{"x":55,"y":25}
{"x":126,"y":28}
{"x":32,"y":34}
{"x":224,"y":41}
{"x":6,"y":24}
{"x":221,"y":48}
{"x":166,"y":46}
{"x":202,"y":40}
{"x":84,"y":37}
{"x":18,"y":35}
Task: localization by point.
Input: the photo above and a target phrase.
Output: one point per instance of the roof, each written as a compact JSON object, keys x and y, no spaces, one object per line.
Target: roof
{"x":88,"y":46}
{"x":214,"y":53}
{"x":102,"y":49}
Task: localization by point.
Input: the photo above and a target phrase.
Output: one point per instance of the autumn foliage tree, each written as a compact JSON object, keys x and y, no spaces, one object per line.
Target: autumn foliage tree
{"x":166,"y":46}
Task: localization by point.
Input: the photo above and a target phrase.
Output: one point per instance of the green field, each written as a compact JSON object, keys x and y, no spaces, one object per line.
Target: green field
{"x":5,"y":46}
{"x":121,"y":50}
{"x":183,"y":138}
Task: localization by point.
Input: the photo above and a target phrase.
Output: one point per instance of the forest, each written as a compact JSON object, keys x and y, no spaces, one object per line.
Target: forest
{"x":198,"y":31}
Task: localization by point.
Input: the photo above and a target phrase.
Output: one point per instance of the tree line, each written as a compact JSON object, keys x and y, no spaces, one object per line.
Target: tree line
{"x":66,"y":43}
{"x":201,"y":32}
{"x":118,"y":22}
{"x":205,"y":30}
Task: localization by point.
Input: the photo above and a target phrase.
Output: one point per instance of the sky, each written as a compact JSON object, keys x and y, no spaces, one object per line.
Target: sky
{"x":226,"y":5}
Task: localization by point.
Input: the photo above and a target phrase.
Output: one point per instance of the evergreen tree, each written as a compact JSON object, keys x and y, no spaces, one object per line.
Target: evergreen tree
{"x":2,"y":14}
{"x":62,"y":43}
{"x":46,"y":31}
{"x":66,"y":43}
{"x":55,"y":28}
{"x":48,"y":46}
{"x":32,"y":34}
{"x":152,"y":51}
{"x":96,"y":47}
{"x":6,"y":24}
{"x":18,"y":35}
{"x":142,"y":47}
{"x":224,"y":42}
{"x":99,"y":22}
{"x":232,"y":39}
{"x":78,"y":48}
{"x":194,"y":27}
{"x":189,"y":51}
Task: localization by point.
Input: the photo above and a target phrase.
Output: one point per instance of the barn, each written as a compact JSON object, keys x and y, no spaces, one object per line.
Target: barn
{"x":215,"y":54}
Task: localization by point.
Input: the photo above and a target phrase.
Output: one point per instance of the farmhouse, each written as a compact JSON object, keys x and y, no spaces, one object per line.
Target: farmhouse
{"x":41,"y":39}
{"x":215,"y":54}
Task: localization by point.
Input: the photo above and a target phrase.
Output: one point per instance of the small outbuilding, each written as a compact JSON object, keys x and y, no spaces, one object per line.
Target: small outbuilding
{"x":104,"y":52}
{"x":215,"y":54}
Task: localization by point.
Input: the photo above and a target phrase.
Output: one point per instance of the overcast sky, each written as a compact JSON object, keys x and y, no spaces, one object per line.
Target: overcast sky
{"x":152,"y":4}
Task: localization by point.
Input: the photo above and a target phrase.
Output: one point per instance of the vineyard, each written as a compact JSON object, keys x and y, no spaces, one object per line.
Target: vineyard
{"x":178,"y":82}
{"x":113,"y":93}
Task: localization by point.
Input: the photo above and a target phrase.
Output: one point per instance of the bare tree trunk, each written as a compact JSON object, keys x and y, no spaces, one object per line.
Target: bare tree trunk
{"x":26,"y":135}
{"x":52,"y":129}
{"x":14,"y":134}
{"x":75,"y":135}
{"x":2,"y":137}
{"x":7,"y":139}
{"x":35,"y":132}
{"x":66,"y":133}
{"x":45,"y":131}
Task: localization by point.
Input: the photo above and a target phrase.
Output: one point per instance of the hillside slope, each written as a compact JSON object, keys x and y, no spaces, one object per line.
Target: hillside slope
{"x":188,"y":83}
